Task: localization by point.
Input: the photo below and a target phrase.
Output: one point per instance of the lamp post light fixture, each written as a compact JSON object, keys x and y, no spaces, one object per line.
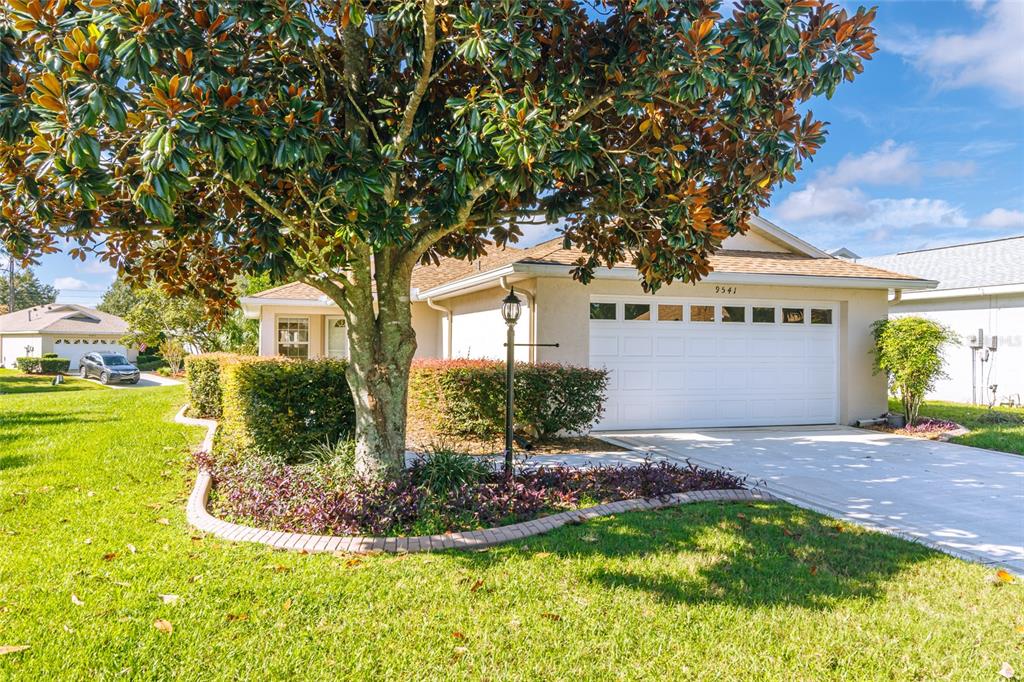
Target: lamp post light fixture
{"x":511,"y":309}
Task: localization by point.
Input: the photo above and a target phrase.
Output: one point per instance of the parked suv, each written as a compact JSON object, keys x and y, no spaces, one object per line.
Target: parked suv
{"x":108,"y":368}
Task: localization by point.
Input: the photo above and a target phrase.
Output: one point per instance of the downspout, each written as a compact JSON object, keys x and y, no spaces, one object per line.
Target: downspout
{"x":897,"y":296}
{"x":448,"y":315}
{"x":531,"y":301}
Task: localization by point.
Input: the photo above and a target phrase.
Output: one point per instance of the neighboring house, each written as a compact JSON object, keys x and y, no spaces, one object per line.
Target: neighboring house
{"x":778,"y":334}
{"x":981,"y":286}
{"x":68,"y":330}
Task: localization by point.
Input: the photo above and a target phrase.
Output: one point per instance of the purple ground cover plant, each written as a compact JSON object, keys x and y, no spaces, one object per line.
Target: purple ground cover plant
{"x":927,"y":425}
{"x":308,"y":499}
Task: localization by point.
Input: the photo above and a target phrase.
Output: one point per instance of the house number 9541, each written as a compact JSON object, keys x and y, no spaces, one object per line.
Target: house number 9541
{"x":725,"y":290}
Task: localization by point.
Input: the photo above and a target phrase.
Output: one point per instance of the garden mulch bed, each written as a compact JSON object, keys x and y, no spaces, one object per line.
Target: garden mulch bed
{"x":926,"y":428}
{"x":422,"y":440}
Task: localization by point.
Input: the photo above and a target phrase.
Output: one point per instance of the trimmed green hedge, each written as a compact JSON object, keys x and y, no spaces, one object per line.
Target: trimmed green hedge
{"x":467,"y":397}
{"x":202,"y":374}
{"x":48,"y":364}
{"x":283,"y":408}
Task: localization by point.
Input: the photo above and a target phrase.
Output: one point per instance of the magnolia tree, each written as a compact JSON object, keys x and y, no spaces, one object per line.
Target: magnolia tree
{"x":341,"y":142}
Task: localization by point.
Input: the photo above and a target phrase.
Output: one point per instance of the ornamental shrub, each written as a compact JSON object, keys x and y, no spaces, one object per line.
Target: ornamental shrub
{"x":909,"y":351}
{"x":202,"y":373}
{"x":48,"y":364}
{"x":282,"y":409}
{"x":467,"y":397}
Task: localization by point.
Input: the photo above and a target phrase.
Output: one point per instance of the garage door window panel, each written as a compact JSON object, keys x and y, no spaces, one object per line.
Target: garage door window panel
{"x":639,"y":312}
{"x":821,"y":316}
{"x":602,"y":311}
{"x":670,"y":313}
{"x":702,"y":313}
{"x":734,"y":313}
{"x":792,"y":315}
{"x":763,"y":315}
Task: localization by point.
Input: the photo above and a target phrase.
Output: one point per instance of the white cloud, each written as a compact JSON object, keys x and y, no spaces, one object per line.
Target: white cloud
{"x":990,"y":57}
{"x":822,"y":201}
{"x":69,"y":284}
{"x":1002,"y":218}
{"x":889,"y":164}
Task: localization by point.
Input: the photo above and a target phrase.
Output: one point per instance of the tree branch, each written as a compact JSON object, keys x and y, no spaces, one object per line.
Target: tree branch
{"x":420,"y":89}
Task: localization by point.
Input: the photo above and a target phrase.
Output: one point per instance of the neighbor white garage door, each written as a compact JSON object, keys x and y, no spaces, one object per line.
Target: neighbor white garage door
{"x":74,"y":347}
{"x":678,"y":363}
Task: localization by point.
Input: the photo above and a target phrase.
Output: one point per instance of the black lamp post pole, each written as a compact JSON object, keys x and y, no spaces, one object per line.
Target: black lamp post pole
{"x":510,"y":393}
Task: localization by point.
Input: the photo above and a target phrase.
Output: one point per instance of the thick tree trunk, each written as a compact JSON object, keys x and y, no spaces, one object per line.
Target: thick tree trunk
{"x":381,"y":347}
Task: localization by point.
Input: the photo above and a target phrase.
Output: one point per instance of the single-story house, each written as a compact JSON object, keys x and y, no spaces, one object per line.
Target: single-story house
{"x":980,"y":286}
{"x":66,"y":329}
{"x":778,"y":334}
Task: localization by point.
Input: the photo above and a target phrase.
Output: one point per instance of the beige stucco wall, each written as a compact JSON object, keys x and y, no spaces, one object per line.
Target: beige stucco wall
{"x":424,"y":322}
{"x":752,"y":241}
{"x":563,"y":317}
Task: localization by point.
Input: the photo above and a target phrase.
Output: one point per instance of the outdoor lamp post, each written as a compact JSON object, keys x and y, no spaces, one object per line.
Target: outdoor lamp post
{"x":511,"y":309}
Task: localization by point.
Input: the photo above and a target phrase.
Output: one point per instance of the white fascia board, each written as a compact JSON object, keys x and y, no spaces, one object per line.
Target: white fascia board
{"x":251,"y":305}
{"x":966,"y":292}
{"x":746,"y":278}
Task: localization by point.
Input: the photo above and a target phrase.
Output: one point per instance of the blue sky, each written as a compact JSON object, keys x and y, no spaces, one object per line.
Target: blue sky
{"x":925,"y":148}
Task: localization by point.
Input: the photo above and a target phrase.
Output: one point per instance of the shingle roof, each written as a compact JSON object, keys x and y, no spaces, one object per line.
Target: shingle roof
{"x":741,"y":262}
{"x":426,"y":277}
{"x":978,"y":264}
{"x":63,"y":318}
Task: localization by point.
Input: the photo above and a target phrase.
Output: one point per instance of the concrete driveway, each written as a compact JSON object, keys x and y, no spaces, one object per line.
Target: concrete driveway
{"x":962,"y":500}
{"x":146,"y":380}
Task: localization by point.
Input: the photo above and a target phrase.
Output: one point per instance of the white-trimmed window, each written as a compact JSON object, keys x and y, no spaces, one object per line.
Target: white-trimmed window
{"x":293,"y":337}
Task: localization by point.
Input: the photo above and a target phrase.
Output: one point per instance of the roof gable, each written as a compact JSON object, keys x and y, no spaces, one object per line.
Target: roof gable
{"x":63,"y":318}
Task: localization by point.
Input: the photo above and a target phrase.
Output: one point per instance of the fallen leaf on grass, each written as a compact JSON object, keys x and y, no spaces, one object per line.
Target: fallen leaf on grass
{"x":1020,"y":629}
{"x":12,"y":648}
{"x":76,"y":601}
{"x":163,"y":626}
{"x":814,"y":570}
{"x":477,"y":585}
{"x":458,"y":652}
{"x":169,"y":598}
{"x":110,"y":556}
{"x":353,"y":562}
{"x":542,"y":555}
{"x":279,"y":568}
{"x":458,"y":635}
{"x":287,"y":605}
{"x":1007,"y":671}
{"x":741,"y":516}
{"x":788,"y":533}
{"x":551,"y":616}
{"x":237,"y":616}
{"x":1004,"y":576}
{"x":164,"y":522}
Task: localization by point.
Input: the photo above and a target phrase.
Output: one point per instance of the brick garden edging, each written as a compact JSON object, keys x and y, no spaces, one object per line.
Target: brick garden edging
{"x":199,"y":517}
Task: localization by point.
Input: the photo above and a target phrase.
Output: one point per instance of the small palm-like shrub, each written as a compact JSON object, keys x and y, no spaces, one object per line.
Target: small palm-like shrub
{"x":442,"y":470}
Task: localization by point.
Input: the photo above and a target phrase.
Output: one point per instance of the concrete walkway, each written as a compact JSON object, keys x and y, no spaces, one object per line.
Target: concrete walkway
{"x":961,"y":500}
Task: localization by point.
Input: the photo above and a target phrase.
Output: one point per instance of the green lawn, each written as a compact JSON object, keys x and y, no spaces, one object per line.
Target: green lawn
{"x":13,"y":381}
{"x":985,"y":433}
{"x":92,"y":487}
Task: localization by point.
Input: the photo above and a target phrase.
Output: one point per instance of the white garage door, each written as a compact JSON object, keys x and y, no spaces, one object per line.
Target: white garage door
{"x":74,"y":347}
{"x":678,"y":363}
